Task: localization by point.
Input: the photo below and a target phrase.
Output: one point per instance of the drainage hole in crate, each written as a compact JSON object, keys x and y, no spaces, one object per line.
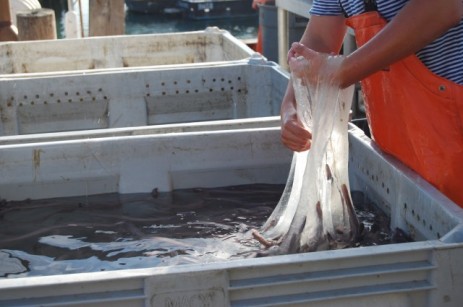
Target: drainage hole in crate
{"x":25,"y":96}
{"x":413,"y":212}
{"x":77,"y":93}
{"x":175,"y":82}
{"x":188,"y":81}
{"x":405,"y":206}
{"x":163,"y":93}
{"x":66,"y":93}
{"x":52,"y":94}
{"x":69,"y":100}
{"x":187,"y":92}
{"x":147,"y":85}
{"x":211,"y":90}
{"x":163,"y":83}
{"x":58,"y":101}
{"x":37,"y":96}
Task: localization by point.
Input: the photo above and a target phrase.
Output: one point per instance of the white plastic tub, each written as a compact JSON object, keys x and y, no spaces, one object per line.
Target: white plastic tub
{"x":427,"y":272}
{"x":159,"y":95}
{"x":35,"y":58}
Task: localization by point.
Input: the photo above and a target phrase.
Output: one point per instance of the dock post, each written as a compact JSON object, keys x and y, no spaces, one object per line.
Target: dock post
{"x":36,"y":24}
{"x":283,"y":42}
{"x":106,"y":17}
{"x":8,"y":32}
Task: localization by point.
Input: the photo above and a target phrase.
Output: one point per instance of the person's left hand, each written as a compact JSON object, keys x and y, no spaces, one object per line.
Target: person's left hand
{"x":317,"y":67}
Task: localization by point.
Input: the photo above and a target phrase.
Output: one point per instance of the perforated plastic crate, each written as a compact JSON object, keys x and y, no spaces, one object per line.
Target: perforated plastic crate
{"x":36,"y":58}
{"x":427,"y":272}
{"x":159,"y":95}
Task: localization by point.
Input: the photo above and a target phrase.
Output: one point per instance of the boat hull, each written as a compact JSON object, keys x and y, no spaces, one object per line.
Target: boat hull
{"x":150,"y":7}
{"x":216,"y":9}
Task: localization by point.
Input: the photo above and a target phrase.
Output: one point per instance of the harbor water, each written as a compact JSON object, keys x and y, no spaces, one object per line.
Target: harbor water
{"x":139,"y":23}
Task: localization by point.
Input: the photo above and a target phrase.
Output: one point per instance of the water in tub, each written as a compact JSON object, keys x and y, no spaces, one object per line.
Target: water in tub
{"x":113,"y":232}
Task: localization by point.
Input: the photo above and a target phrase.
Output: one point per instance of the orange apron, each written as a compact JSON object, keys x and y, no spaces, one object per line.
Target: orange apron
{"x":414,"y":114}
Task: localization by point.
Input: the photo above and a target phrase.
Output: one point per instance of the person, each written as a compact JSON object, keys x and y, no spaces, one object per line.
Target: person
{"x":255,"y":5}
{"x":409,"y":62}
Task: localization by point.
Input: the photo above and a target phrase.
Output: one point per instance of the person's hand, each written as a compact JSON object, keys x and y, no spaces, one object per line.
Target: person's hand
{"x":293,"y":133}
{"x":314,"y":67}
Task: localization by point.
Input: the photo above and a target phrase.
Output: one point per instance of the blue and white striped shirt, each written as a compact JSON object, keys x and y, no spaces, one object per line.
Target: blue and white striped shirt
{"x":444,"y":56}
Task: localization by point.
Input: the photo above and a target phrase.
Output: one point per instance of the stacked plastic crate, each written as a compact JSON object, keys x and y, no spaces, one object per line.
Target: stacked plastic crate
{"x":126,"y":114}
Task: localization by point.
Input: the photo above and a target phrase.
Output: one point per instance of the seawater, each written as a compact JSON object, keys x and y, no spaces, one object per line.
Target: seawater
{"x":114,"y":232}
{"x":138,"y":23}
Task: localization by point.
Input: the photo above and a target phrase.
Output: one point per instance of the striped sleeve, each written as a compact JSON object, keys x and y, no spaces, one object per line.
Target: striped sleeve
{"x":443,"y":57}
{"x":326,"y":8}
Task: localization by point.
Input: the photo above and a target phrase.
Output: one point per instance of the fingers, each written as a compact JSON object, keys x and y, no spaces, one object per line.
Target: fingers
{"x":291,"y":55}
{"x":298,"y":49}
{"x":296,"y":144}
{"x":295,"y":51}
{"x":294,"y":136}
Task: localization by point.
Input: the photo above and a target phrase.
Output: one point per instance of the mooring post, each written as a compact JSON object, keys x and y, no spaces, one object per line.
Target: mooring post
{"x":106,"y":17}
{"x":7,"y":30}
{"x":36,"y":24}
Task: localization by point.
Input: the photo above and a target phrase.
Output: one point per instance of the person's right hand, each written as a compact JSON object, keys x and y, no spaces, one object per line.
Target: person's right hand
{"x":293,"y":134}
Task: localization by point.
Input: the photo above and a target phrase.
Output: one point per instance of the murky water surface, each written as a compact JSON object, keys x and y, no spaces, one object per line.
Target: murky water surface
{"x":113,"y":232}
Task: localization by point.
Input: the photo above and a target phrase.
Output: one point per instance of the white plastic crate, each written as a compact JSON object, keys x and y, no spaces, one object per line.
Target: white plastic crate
{"x":228,"y":124}
{"x":427,"y":272}
{"x":159,"y":95}
{"x":36,"y":58}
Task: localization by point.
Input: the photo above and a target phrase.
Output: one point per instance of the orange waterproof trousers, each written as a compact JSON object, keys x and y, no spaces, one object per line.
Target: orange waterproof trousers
{"x":415,"y":115}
